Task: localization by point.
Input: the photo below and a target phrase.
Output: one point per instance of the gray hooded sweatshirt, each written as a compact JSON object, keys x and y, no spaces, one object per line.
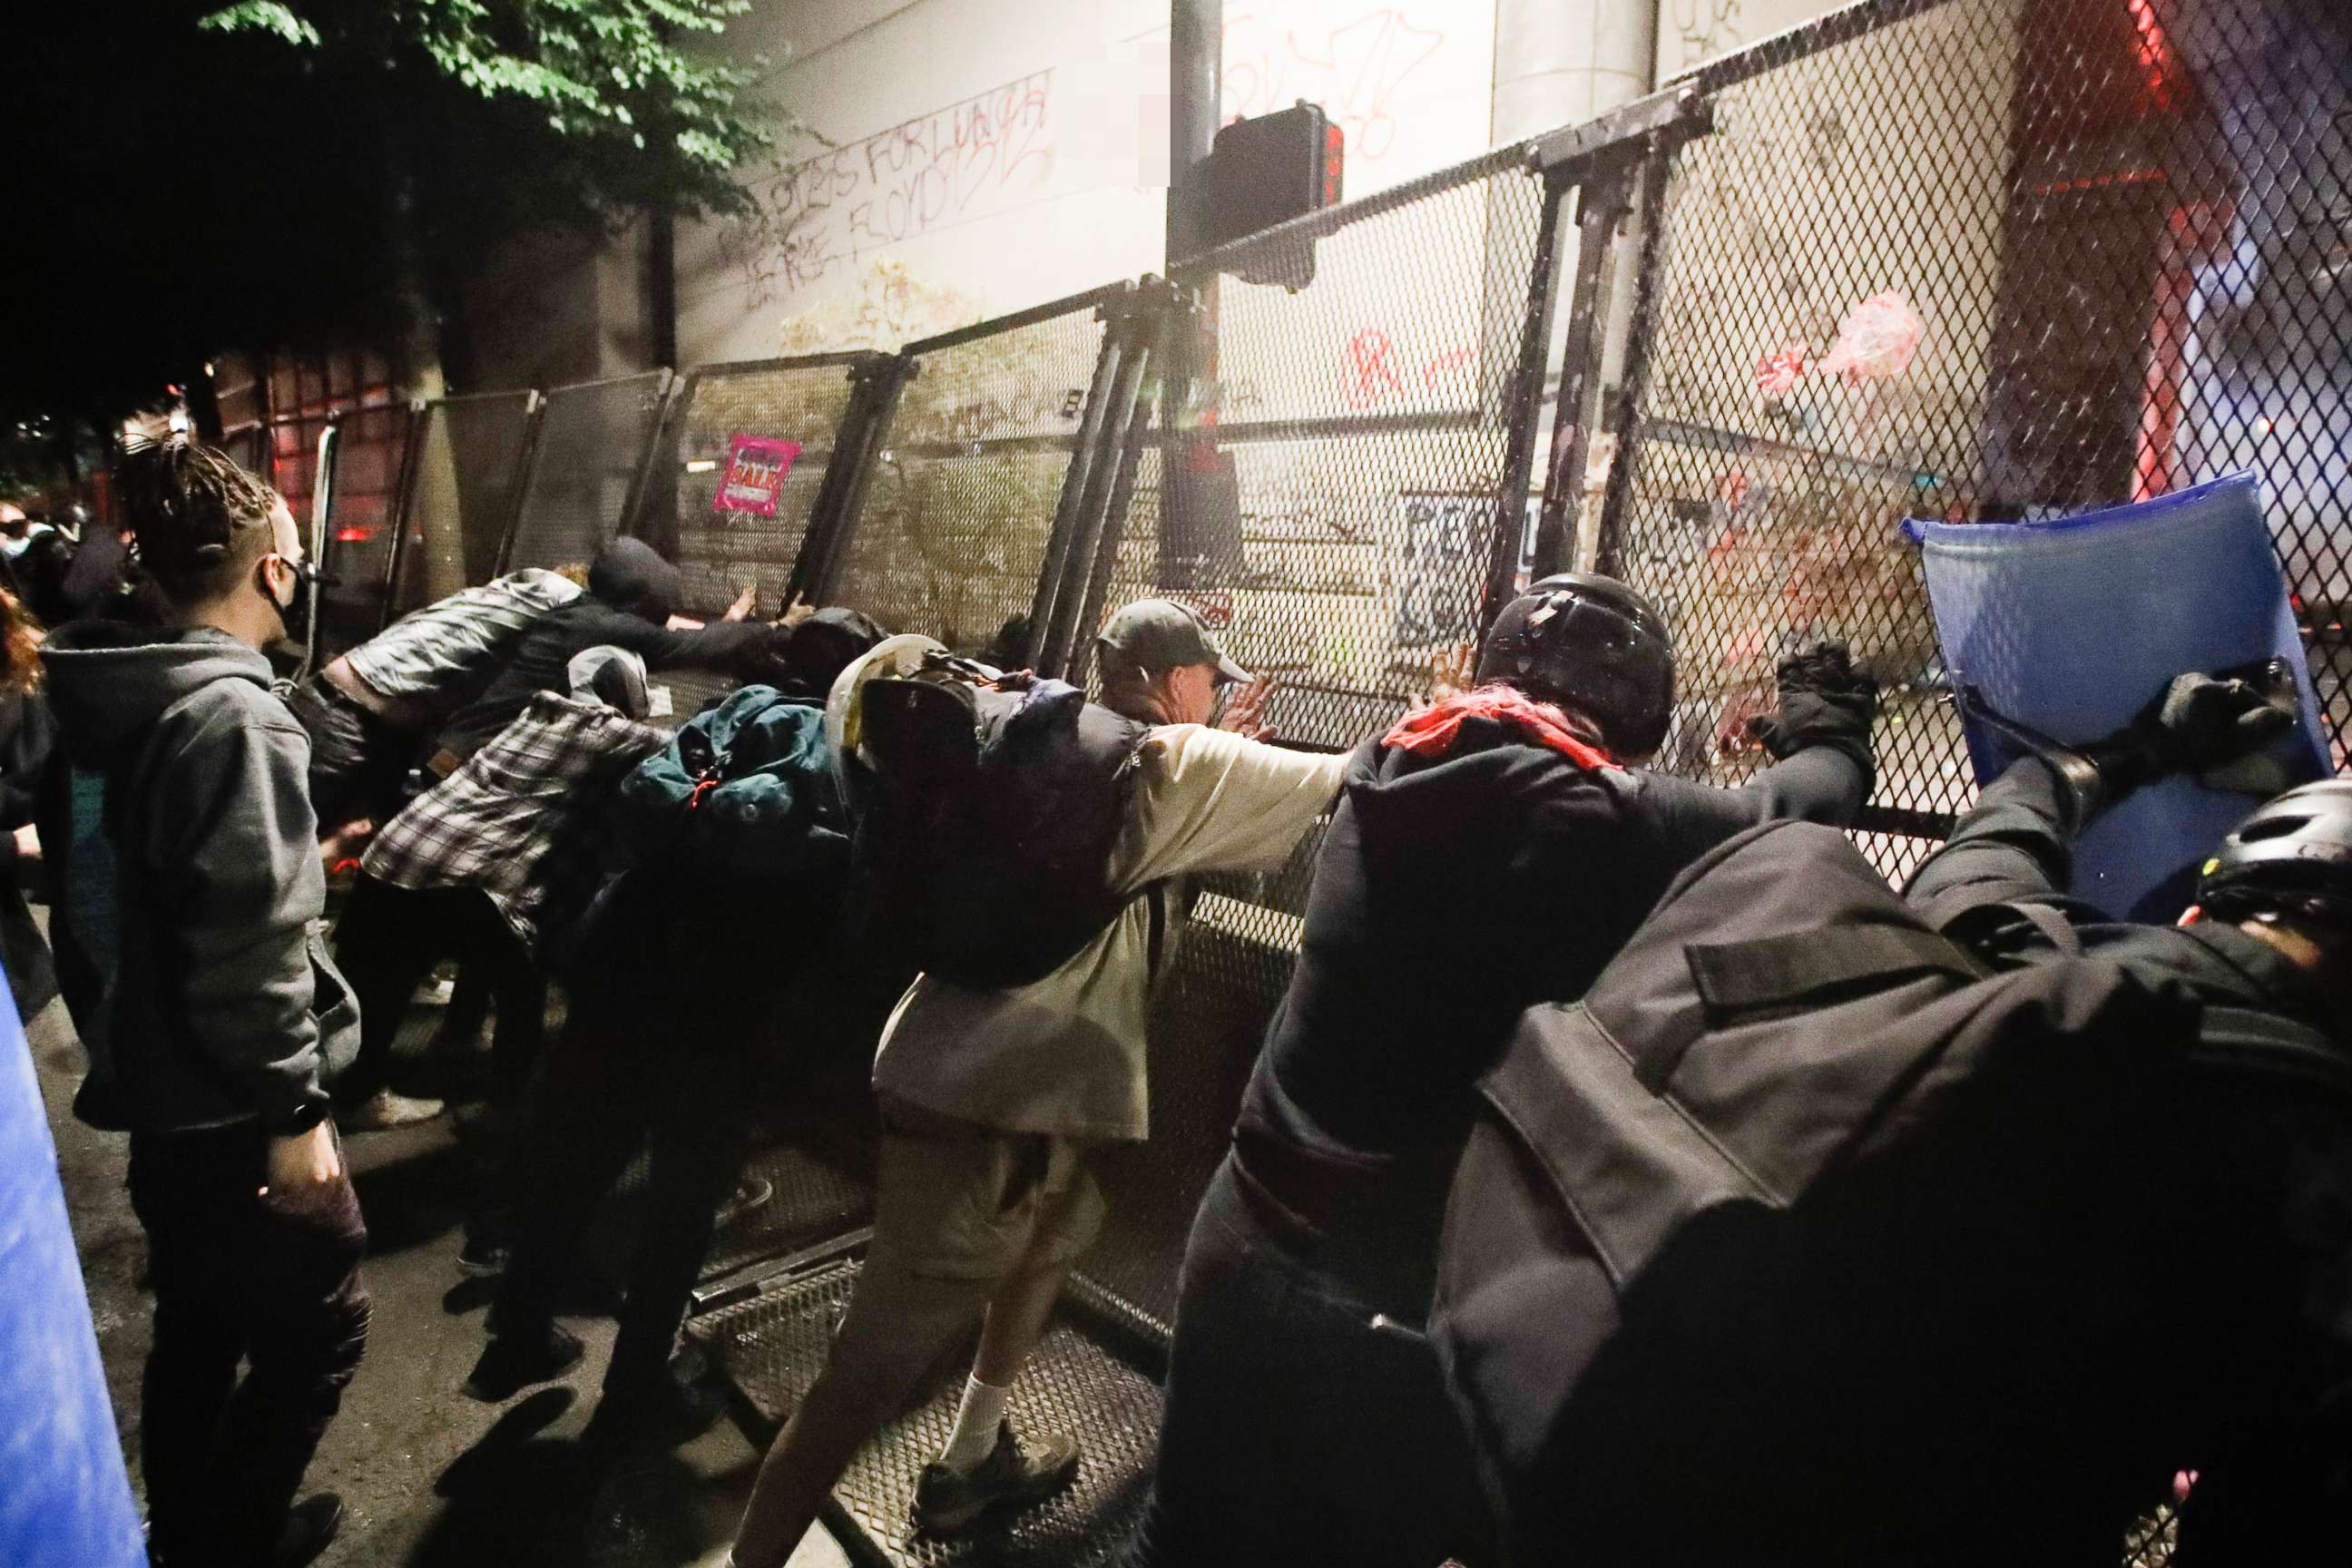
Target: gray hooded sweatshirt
{"x":223,"y":1006}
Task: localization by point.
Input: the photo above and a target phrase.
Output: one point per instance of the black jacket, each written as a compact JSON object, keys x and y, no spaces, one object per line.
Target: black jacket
{"x":2232,"y":1279}
{"x":1452,"y":894}
{"x":631,"y":592}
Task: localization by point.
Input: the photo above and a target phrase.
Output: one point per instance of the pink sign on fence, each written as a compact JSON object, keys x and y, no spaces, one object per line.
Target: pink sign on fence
{"x":756,"y":469}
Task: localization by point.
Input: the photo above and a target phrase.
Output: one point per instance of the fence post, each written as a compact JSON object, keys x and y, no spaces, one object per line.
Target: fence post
{"x":1175,"y":316}
{"x":1075,"y":481}
{"x":1521,"y":402}
{"x":403,"y":496}
{"x":632,"y":502}
{"x":675,"y":395}
{"x":1141,"y":318}
{"x":323,"y":487}
{"x":877,"y":380}
{"x":1608,"y":551}
{"x":534,"y":417}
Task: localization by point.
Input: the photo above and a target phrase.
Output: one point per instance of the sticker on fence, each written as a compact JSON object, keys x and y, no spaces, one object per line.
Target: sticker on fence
{"x":1441,"y":565}
{"x":757,"y":467}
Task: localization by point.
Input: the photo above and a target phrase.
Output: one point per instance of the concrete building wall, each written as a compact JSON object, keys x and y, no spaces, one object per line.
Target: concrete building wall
{"x":957,"y":159}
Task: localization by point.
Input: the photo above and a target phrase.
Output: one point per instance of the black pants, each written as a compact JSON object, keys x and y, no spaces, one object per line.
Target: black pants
{"x":388,"y":940}
{"x":1294,"y":1430}
{"x":357,"y":761}
{"x":679,"y":1074}
{"x":239,"y":1276}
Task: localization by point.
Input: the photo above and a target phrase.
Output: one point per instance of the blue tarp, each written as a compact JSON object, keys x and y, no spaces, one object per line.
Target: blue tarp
{"x":2071,"y":626}
{"x":65,"y":1500}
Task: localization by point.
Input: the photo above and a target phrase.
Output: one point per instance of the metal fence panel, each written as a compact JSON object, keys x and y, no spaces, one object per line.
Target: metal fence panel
{"x":724,"y":541}
{"x":363,"y":497}
{"x":587,"y":463}
{"x":1978,"y":260}
{"x":1341,"y":466}
{"x":459,"y":496}
{"x":953,"y":536}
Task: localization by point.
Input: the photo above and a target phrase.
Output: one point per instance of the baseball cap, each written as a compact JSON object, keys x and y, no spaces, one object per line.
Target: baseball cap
{"x":1161,"y":633}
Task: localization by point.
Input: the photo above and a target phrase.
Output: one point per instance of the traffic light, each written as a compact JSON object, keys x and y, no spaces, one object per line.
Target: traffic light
{"x":1268,"y":171}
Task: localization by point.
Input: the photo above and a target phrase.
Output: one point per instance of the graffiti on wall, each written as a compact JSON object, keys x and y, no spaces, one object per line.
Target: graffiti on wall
{"x":960,"y":162}
{"x":1357,"y":71}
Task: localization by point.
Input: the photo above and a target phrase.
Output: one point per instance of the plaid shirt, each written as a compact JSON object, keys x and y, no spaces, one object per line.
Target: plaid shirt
{"x":521,"y":819}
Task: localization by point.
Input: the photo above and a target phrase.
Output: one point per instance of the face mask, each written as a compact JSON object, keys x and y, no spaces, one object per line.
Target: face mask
{"x":295,"y":615}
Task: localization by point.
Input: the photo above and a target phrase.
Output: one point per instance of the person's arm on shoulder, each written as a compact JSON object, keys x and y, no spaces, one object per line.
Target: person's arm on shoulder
{"x":237,"y":841}
{"x":1208,"y":800}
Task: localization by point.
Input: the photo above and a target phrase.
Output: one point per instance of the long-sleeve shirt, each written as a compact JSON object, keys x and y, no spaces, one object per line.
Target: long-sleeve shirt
{"x":547,"y":651}
{"x":1066,"y":1055}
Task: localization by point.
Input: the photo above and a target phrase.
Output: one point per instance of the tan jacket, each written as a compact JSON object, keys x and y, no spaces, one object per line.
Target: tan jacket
{"x":1066,"y":1055}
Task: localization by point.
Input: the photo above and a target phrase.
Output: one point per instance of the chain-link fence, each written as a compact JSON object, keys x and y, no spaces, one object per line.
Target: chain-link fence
{"x":459,"y":495}
{"x":588,"y":460}
{"x":1978,"y":260}
{"x":954,"y":536}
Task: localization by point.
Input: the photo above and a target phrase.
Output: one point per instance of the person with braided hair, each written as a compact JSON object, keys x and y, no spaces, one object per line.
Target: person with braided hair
{"x":219,"y":1019}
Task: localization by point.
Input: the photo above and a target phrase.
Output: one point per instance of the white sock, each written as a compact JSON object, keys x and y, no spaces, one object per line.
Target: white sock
{"x":974,"y":1437}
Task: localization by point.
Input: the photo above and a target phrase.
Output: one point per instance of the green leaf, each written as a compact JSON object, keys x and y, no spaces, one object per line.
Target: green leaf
{"x":261,"y":17}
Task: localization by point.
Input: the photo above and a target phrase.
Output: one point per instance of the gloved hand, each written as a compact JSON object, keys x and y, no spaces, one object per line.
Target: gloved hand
{"x":2198,"y":724}
{"x":1825,"y":702}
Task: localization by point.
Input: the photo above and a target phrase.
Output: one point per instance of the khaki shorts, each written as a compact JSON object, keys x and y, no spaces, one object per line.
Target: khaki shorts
{"x":975,"y":1205}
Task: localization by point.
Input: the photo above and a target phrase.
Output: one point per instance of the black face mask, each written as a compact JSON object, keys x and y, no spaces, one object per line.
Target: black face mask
{"x":296,"y":616}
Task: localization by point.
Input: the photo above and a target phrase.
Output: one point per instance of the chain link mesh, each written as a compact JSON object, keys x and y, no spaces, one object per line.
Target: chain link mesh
{"x":592,"y":444}
{"x":1980,"y":260}
{"x":956,"y":525}
{"x":469,"y":458}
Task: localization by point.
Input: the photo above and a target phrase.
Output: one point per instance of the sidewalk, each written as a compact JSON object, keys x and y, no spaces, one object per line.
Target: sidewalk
{"x":431,"y":1478}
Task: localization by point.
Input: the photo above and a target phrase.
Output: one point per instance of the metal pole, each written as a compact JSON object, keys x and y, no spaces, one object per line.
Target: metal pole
{"x":1601,"y":205}
{"x":1524,"y":393}
{"x":1196,"y":48}
{"x":1074,"y":486}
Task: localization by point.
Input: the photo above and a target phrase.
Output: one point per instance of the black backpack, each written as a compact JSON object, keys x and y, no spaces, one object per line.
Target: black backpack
{"x":1807,"y":1236}
{"x":991,"y":807}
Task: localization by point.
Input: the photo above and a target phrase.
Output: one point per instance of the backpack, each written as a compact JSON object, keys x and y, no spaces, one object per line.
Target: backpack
{"x":991,"y":807}
{"x":1808,"y":1236}
{"x":744,"y":796}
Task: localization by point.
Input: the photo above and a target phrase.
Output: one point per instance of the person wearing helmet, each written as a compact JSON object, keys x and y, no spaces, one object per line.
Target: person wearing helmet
{"x":1490,"y":852}
{"x":2247,"y":1302}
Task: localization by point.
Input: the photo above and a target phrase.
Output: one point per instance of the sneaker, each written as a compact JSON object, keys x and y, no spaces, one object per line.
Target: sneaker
{"x":947,"y":1502}
{"x":509,"y":1363}
{"x":384,"y":1111}
{"x":479,"y":1259}
{"x":750,"y":1193}
{"x":310,"y":1529}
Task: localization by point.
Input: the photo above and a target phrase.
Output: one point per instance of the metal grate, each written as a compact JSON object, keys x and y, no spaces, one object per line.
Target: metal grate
{"x":1329,"y":479}
{"x":815,"y":1200}
{"x":772,"y":1346}
{"x":460,"y":494}
{"x":586,"y":463}
{"x":954,"y":534}
{"x":1980,"y":260}
{"x":363,"y":494}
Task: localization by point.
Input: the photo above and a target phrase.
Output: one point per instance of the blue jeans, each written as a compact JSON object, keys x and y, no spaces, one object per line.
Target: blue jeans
{"x":1297,"y":1429}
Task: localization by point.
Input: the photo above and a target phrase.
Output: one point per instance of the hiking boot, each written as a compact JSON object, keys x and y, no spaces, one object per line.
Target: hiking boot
{"x":750,"y":1193}
{"x":510,"y":1362}
{"x":384,"y":1111}
{"x":310,"y":1529}
{"x":947,"y":1502}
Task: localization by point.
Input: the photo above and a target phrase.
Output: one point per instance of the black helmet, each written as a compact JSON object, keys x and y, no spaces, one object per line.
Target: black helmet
{"x":1593,"y":644}
{"x":2292,"y":855}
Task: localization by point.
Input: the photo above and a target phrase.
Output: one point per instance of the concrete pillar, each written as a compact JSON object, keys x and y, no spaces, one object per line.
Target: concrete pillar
{"x":1559,"y":61}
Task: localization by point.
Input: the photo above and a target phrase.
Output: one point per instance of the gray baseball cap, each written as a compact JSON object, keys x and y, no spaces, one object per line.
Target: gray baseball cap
{"x":1161,"y":633}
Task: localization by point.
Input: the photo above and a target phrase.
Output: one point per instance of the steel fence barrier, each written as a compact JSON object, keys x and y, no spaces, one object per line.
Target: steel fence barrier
{"x":739,"y":477}
{"x":967,"y":494}
{"x":457,"y":495}
{"x":587,"y":464}
{"x":1977,"y":260}
{"x":363,"y":485}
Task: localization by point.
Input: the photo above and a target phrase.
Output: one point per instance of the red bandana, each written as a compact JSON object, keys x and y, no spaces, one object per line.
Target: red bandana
{"x":1431,"y":731}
